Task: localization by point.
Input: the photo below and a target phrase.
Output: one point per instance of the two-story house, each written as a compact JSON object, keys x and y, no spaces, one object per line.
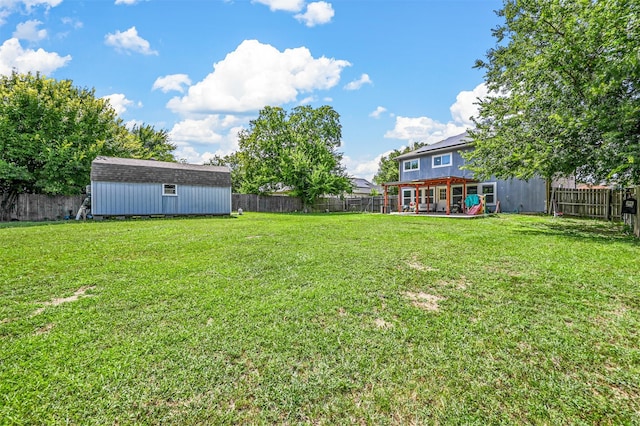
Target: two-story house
{"x":431,"y":180}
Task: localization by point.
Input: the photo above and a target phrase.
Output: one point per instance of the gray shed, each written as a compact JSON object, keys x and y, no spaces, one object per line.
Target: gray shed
{"x":131,"y":187}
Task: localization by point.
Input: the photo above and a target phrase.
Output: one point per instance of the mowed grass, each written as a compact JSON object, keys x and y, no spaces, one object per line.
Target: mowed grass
{"x":320,"y":319}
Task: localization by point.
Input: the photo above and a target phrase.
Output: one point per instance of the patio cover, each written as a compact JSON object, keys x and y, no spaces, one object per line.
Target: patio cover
{"x":427,"y":183}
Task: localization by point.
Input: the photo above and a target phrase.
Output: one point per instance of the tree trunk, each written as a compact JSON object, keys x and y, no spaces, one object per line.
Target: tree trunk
{"x":7,"y":204}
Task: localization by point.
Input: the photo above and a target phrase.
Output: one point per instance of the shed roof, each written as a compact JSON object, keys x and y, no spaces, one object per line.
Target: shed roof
{"x":445,"y":145}
{"x":113,"y":169}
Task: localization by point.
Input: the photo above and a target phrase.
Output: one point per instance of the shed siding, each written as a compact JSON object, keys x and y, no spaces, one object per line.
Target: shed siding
{"x":121,"y":198}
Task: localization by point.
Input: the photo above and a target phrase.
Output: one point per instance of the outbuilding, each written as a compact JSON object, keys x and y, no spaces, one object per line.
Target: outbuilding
{"x":132,"y":187}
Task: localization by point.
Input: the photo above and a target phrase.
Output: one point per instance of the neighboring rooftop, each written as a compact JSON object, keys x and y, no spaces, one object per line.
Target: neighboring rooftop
{"x":447,"y":144}
{"x":363,"y":186}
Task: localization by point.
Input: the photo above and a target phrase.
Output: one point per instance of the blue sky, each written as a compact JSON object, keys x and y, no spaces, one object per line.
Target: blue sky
{"x":397,"y":71}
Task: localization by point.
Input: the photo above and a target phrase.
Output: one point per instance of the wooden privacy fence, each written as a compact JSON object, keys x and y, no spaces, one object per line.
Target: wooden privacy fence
{"x":283,"y":204}
{"x":599,"y":203}
{"x":263,"y":203}
{"x":38,"y":207}
{"x":374,"y":204}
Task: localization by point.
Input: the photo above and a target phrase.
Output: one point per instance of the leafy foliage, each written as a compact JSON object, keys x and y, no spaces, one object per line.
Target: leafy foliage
{"x":295,"y":151}
{"x":565,"y":84}
{"x":233,"y":162}
{"x":51,"y":132}
{"x":152,"y":143}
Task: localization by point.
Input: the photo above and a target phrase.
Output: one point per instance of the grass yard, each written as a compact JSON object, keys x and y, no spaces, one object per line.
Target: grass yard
{"x":320,"y":319}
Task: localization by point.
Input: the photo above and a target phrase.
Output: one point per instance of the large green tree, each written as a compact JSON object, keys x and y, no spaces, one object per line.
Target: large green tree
{"x":50,"y":132}
{"x":564,"y":78}
{"x":233,"y":162}
{"x":296,"y":150}
{"x":388,"y":168}
{"x":152,"y":143}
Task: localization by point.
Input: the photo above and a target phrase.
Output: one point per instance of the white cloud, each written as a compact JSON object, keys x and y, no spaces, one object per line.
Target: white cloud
{"x":14,"y":57}
{"x":119,"y":102}
{"x":307,"y":100}
{"x":378,"y":112}
{"x":357,"y":84}
{"x":215,"y":134}
{"x":126,"y":2}
{"x":465,"y":106}
{"x":33,"y":3}
{"x":3,"y":16}
{"x":317,"y":13}
{"x":172,"y":82}
{"x":72,"y":22}
{"x":131,"y":123}
{"x":286,"y":5}
{"x":362,"y":168}
{"x":7,"y":7}
{"x":129,"y":41}
{"x":29,"y":31}
{"x":255,"y":75}
{"x":423,"y":129}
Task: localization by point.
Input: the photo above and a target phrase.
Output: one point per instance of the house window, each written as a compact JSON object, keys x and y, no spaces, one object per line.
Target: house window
{"x":170,"y":189}
{"x":489,"y":192}
{"x":471,"y":190}
{"x":410,"y":165}
{"x":441,"y":160}
{"x":407,"y":197}
{"x":456,"y":196}
{"x":426,"y":196}
{"x":443,"y":194}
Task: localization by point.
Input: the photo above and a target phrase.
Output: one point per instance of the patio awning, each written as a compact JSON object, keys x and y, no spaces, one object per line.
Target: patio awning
{"x":422,"y":183}
{"x":451,"y":180}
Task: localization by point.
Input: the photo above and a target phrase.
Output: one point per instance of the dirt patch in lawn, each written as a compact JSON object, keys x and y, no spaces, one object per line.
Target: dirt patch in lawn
{"x":461,"y":283}
{"x":380,"y":323}
{"x":428,"y":302}
{"x":415,"y":264}
{"x":45,"y":329}
{"x":81,"y":292}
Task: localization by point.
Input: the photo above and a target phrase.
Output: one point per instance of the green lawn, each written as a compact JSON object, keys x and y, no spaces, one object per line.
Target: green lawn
{"x":320,"y":319}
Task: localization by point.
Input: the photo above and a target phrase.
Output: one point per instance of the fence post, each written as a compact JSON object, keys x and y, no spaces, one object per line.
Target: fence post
{"x":636,"y":218}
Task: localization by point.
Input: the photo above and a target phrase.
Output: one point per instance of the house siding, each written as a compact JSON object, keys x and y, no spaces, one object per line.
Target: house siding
{"x":427,"y":171}
{"x":126,"y":198}
{"x":514,"y":195}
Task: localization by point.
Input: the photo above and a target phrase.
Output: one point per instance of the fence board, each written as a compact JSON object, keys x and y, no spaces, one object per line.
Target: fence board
{"x":594,"y":203}
{"x":38,"y":207}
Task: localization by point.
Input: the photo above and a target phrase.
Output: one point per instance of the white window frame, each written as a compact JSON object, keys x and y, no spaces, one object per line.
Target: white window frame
{"x":412,"y":196}
{"x":433,"y":160}
{"x":173,"y":190}
{"x":411,"y":162}
{"x":457,"y":198}
{"x":427,"y":194}
{"x":494,"y":193}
